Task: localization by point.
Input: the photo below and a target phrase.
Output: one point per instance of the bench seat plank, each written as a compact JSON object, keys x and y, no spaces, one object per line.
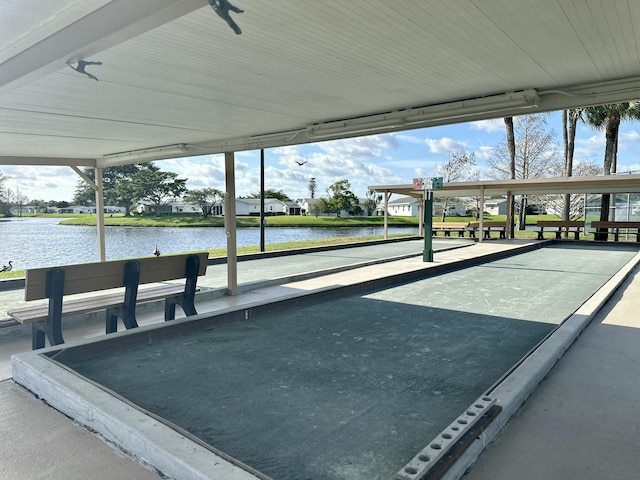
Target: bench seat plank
{"x":448,"y":227}
{"x":558,"y":226}
{"x":37,"y":313}
{"x":616,"y":226}
{"x":489,"y":226}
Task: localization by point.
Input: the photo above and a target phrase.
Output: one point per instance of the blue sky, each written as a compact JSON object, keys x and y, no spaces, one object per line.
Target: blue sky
{"x":372,"y":160}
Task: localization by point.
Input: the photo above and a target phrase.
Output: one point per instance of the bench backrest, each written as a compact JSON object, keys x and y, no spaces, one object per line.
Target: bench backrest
{"x":450,"y":224}
{"x":621,"y":224}
{"x":90,"y":277}
{"x":560,"y":223}
{"x":489,"y":223}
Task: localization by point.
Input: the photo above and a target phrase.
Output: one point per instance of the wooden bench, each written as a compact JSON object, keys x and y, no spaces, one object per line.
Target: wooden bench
{"x":488,"y":227}
{"x":448,"y":227}
{"x":56,"y":283}
{"x":558,"y":226}
{"x":617,"y":226}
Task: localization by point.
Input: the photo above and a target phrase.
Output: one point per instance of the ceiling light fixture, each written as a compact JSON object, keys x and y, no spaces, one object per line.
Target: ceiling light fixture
{"x":146,"y":154}
{"x":462,"y":111}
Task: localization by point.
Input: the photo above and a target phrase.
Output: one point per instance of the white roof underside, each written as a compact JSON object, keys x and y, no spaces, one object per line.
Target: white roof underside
{"x":174,"y":74}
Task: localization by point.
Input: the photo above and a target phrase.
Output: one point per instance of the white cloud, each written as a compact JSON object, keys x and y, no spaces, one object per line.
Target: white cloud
{"x":489,"y":126}
{"x":484,"y":152}
{"x":444,"y":145}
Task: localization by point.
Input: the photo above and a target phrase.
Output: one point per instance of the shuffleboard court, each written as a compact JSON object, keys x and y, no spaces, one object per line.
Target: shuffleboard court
{"x":352,"y":386}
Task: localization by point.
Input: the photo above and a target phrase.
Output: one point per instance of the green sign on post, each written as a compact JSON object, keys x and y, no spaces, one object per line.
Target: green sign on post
{"x":428,"y":184}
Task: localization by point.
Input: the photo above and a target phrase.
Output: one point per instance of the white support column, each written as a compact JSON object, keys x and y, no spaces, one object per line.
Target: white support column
{"x":421,"y":216}
{"x":230,"y":223}
{"x":481,"y":229}
{"x":97,"y":187}
{"x":387,"y":195}
{"x":100,"y":215}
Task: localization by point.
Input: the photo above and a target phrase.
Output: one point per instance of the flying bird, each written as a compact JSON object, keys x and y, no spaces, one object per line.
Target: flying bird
{"x":80,"y":68}
{"x":301,"y":163}
{"x":7,"y":268}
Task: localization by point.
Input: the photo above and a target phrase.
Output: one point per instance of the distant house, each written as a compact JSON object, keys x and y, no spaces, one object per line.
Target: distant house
{"x":496,"y":207}
{"x":403,"y":207}
{"x":292,"y":208}
{"x":251,"y":206}
{"x":77,"y":209}
{"x":306,"y":206}
{"x":24,"y":209}
{"x":167,"y":208}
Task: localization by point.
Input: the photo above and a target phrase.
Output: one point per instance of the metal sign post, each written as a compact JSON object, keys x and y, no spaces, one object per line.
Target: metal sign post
{"x":427,"y":184}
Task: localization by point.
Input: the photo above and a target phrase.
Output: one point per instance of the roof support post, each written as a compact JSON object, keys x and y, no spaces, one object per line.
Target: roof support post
{"x":230,"y":223}
{"x":387,"y":195}
{"x":510,"y":218}
{"x":98,"y":188}
{"x":420,"y":217}
{"x":481,"y":214}
{"x":100,"y":214}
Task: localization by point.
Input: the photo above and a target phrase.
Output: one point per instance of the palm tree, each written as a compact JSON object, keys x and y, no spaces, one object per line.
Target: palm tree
{"x":608,"y":118}
{"x":511,"y":147}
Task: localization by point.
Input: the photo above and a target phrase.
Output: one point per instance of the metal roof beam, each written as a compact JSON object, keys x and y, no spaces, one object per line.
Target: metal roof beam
{"x":47,"y":161}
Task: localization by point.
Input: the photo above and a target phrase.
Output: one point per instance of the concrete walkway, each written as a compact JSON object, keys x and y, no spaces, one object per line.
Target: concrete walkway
{"x":579,"y":424}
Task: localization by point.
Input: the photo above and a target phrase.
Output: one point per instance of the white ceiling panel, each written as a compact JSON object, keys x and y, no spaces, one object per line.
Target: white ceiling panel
{"x":174,"y":73}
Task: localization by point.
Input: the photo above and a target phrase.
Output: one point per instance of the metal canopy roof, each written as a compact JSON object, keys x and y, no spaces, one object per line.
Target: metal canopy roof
{"x":528,"y":186}
{"x":175,"y":80}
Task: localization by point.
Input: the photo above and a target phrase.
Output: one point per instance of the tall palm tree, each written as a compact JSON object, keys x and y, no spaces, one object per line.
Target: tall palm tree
{"x":608,"y":118}
{"x":511,"y":147}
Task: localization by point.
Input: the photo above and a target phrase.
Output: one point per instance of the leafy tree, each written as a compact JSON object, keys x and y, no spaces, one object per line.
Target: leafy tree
{"x":372,"y":201}
{"x":206,"y":198}
{"x":272,"y":193}
{"x":117,"y":185}
{"x":341,"y":197}
{"x":158,"y":187}
{"x":319,"y":206}
{"x":608,"y":118}
{"x":536,"y":154}
{"x":460,"y":166}
{"x":313,"y":187}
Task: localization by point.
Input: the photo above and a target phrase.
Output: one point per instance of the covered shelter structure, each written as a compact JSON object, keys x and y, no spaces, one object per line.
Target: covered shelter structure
{"x":94,"y":84}
{"x":602,"y":184}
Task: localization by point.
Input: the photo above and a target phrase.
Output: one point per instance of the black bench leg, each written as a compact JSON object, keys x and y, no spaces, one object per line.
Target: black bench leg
{"x":37,"y":335}
{"x":170,"y":308}
{"x":540,"y":237}
{"x":54,"y":291}
{"x":112,"y":320}
{"x":187,"y":299}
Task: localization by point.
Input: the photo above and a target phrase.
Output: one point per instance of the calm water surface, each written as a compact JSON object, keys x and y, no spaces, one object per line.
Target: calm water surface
{"x":42,"y":242}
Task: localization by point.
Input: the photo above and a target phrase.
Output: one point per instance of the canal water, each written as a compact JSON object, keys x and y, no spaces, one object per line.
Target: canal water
{"x":42,"y":242}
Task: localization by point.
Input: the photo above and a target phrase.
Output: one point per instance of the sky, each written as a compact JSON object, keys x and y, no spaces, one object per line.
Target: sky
{"x":394,"y":158}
